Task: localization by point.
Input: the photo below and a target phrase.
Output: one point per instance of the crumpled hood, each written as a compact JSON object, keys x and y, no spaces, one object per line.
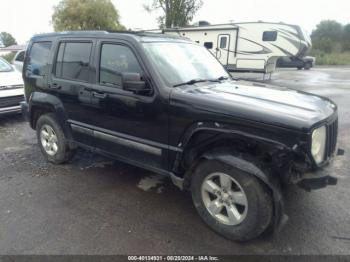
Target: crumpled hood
{"x":259,"y":102}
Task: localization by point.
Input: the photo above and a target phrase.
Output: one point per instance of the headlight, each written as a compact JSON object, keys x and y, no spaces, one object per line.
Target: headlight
{"x":318,"y":144}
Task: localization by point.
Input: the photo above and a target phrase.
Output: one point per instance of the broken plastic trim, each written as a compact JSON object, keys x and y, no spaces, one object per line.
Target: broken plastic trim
{"x":317,"y":183}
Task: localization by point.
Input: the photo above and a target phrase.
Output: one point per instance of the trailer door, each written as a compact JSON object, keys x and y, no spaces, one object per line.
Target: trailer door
{"x":223,"y":48}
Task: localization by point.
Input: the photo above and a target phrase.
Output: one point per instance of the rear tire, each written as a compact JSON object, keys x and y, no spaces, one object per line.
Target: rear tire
{"x":51,"y":139}
{"x":249,"y":197}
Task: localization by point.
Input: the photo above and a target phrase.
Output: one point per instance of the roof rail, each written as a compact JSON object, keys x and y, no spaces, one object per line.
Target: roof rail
{"x":84,"y":31}
{"x":99,"y":32}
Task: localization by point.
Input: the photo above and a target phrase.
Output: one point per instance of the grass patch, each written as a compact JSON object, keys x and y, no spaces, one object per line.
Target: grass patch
{"x":323,"y":58}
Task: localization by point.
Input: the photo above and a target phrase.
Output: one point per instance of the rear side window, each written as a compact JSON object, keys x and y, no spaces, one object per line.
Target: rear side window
{"x":73,"y":61}
{"x":269,"y":36}
{"x":115,"y":60}
{"x":38,"y":58}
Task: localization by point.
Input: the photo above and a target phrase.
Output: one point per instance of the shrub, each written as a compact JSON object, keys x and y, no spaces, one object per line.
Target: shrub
{"x":335,"y":58}
{"x":9,"y":57}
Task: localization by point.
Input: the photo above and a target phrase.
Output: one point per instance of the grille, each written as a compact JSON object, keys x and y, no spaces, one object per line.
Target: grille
{"x":11,"y":87}
{"x":332,"y":135}
{"x":11,"y":101}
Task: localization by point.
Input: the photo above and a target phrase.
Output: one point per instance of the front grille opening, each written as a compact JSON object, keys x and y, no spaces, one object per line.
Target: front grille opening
{"x":11,"y":101}
{"x":11,"y":87}
{"x":331,"y":141}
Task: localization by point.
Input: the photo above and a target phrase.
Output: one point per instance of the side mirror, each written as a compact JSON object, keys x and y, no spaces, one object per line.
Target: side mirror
{"x":133,"y":82}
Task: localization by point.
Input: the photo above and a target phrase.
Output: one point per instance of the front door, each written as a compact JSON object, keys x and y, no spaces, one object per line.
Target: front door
{"x":128,"y":125}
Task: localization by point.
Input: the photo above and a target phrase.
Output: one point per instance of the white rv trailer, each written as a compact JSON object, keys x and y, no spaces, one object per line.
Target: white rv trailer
{"x":250,"y":46}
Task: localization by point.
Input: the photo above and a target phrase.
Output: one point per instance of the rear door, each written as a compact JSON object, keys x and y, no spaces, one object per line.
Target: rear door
{"x":71,"y":80}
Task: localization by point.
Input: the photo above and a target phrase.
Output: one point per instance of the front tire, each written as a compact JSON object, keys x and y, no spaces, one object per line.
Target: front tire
{"x":307,"y":66}
{"x":51,"y":139}
{"x":233,"y":203}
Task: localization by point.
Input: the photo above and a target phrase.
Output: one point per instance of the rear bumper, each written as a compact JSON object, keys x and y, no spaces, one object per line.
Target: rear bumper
{"x":24,"y":108}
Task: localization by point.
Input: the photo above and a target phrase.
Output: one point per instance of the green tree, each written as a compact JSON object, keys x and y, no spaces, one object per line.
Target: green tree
{"x":7,"y":39}
{"x":346,"y":38}
{"x":86,"y":15}
{"x":177,"y":13}
{"x":327,"y":36}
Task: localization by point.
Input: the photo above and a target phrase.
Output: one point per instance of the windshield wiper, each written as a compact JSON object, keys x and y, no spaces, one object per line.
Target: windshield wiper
{"x":195,"y":81}
{"x":191,"y":82}
{"x":221,"y":78}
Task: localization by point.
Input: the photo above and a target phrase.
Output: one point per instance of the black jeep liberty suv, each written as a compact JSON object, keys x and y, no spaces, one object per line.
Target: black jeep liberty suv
{"x":166,"y":104}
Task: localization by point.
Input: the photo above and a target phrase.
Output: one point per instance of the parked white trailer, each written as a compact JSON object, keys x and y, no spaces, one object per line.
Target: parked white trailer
{"x":250,"y":46}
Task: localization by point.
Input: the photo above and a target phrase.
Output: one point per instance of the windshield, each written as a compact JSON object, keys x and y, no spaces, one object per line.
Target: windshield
{"x":4,"y":66}
{"x":182,"y":62}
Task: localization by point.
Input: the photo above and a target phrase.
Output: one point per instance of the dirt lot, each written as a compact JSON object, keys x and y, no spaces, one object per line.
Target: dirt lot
{"x":95,"y":205}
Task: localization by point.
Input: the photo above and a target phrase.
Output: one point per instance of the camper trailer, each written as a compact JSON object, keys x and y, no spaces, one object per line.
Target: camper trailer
{"x":250,"y":46}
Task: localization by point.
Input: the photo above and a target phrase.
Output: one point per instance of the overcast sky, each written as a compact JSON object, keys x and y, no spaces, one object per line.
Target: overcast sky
{"x":23,"y":18}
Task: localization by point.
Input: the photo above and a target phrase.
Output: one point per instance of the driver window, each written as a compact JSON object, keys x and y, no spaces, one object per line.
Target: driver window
{"x":115,"y":60}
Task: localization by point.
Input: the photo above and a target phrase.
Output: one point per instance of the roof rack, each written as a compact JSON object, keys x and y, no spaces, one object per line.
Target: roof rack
{"x":100,"y":32}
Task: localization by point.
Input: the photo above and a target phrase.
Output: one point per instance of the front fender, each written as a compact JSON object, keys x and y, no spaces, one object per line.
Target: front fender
{"x":280,"y":218}
{"x":250,"y":133}
{"x":212,"y":132}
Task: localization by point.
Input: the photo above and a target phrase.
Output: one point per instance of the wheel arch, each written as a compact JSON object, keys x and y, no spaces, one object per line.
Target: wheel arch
{"x":203,"y":137}
{"x":43,"y":103}
{"x":217,"y":146}
{"x":252,"y":168}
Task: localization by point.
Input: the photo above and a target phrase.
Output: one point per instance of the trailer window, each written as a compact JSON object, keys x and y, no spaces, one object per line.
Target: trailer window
{"x":223,"y":42}
{"x":208,"y":45}
{"x":270,"y":36}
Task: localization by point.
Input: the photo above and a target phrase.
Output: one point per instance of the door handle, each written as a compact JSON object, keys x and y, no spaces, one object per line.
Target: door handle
{"x":99,"y":95}
{"x":55,"y":86}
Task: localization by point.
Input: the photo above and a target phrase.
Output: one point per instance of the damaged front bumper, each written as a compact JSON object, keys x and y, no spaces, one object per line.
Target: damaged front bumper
{"x":319,"y":178}
{"x":312,"y":181}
